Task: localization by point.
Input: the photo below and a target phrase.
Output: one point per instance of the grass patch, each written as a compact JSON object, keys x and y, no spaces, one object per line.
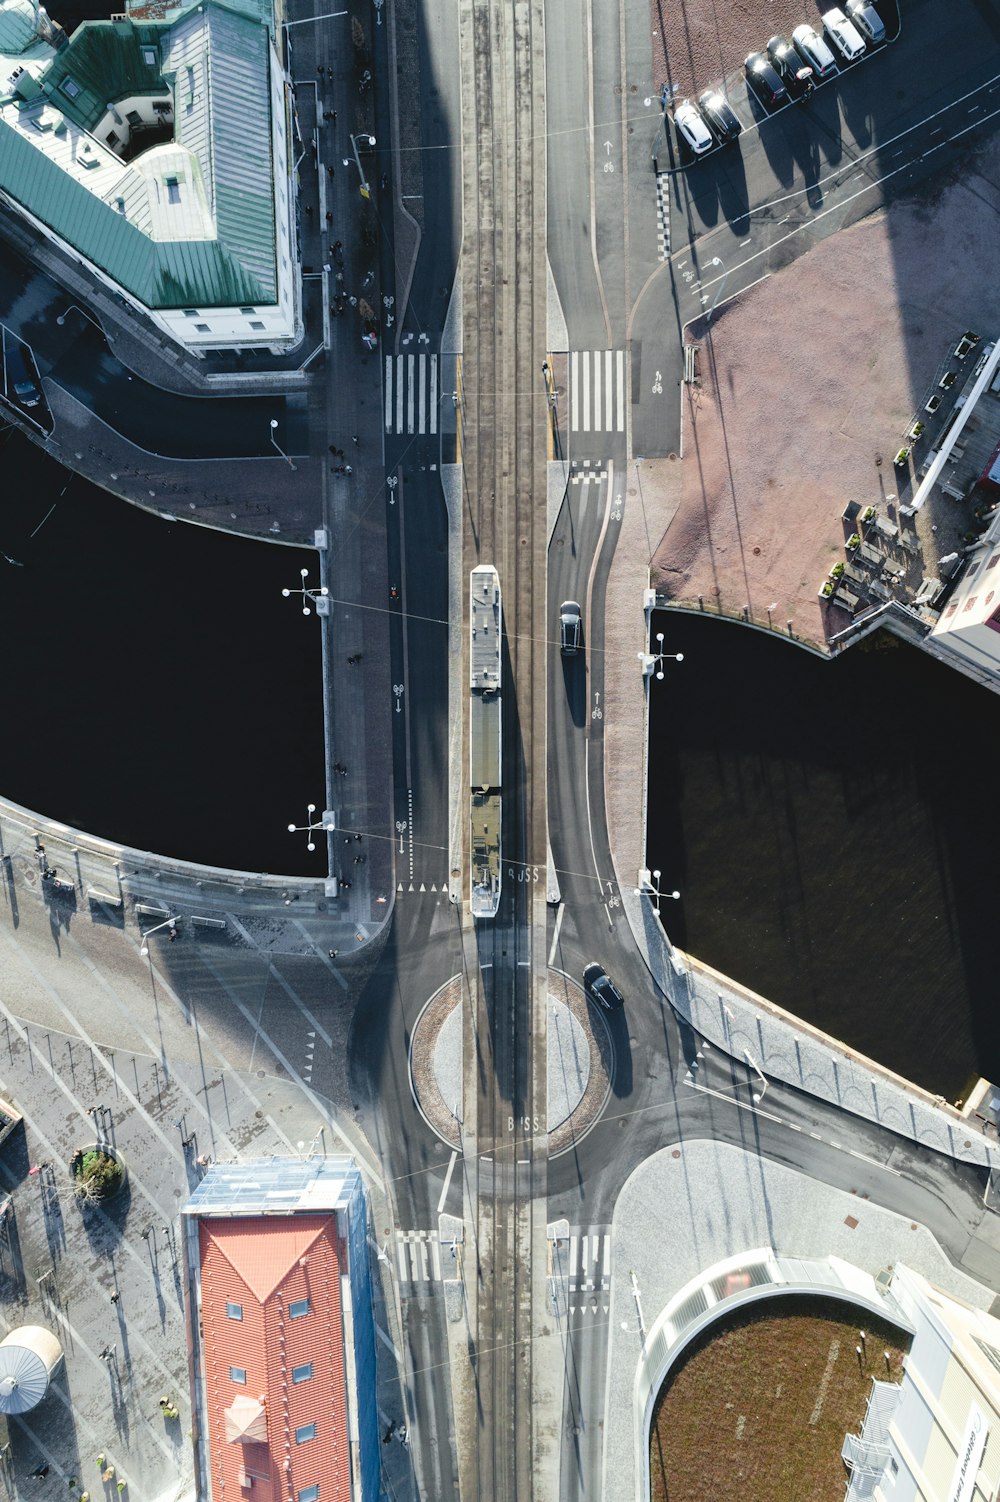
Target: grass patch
{"x":758,"y":1409}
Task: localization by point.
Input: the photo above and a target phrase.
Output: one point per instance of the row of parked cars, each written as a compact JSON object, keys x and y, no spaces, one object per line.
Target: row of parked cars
{"x":787,"y":70}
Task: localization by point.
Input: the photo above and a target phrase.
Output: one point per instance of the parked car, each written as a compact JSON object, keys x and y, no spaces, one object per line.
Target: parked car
{"x":570,"y":628}
{"x":796,"y":74}
{"x":692,"y":129}
{"x":814,"y":51}
{"x":765,"y":81}
{"x":868,"y":21}
{"x":845,"y":36}
{"x":720,"y":117}
{"x":602,"y":988}
{"x":21,"y":375}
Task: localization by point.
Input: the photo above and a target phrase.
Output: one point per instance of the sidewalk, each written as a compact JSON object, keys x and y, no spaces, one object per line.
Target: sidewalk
{"x":668,"y":1228}
{"x":742,"y":1024}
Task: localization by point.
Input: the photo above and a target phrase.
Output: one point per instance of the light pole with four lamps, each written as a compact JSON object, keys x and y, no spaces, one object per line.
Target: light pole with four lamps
{"x":650,"y":887}
{"x":319,"y":597}
{"x":326,"y":824}
{"x":170,"y":923}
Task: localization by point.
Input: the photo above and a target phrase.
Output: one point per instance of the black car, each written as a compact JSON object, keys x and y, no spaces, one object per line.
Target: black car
{"x":717,"y":114}
{"x":602,"y":988}
{"x":794,"y":72}
{"x":765,"y":81}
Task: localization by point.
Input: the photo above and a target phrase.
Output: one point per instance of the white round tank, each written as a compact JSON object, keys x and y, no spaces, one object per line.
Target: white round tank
{"x":29,"y":1357}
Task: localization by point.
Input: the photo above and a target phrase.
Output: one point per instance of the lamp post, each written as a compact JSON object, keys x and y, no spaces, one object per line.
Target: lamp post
{"x":757,"y":1071}
{"x":277,"y":445}
{"x":319,"y":597}
{"x":649,"y":886}
{"x":75,"y":307}
{"x":327,"y":822}
{"x":661,"y":657}
{"x":366,"y":140}
{"x":725,"y":275}
{"x":170,"y":923}
{"x":664,"y":95}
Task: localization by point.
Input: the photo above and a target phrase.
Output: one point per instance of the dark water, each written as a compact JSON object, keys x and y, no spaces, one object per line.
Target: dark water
{"x":157,"y":688}
{"x":832,"y":830}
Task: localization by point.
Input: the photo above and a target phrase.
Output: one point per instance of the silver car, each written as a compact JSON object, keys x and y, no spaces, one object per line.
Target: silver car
{"x":692,"y":129}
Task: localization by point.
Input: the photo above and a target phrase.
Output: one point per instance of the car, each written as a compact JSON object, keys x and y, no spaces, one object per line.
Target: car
{"x":719,"y":116}
{"x":602,"y":988}
{"x":692,"y":129}
{"x":570,"y":628}
{"x":868,"y":21}
{"x":814,"y":51}
{"x":845,"y":36}
{"x":766,"y":82}
{"x":797,"y":75}
{"x":20,"y":376}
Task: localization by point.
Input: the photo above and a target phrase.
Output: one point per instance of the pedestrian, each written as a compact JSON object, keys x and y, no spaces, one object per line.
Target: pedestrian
{"x":333,"y":117}
{"x":329,"y":171}
{"x":309,"y":210}
{"x":321,"y":70}
{"x":116,"y":1297}
{"x":337,"y":248}
{"x":39,"y":1473}
{"x":333,"y":450}
{"x":358,"y":838}
{"x":355,"y":439}
{"x":173,"y":935}
{"x":348,"y":469}
{"x":334,"y":953}
{"x":329,"y":216}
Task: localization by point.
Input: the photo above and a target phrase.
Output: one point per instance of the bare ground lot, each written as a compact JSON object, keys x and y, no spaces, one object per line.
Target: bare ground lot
{"x":787,"y":1366}
{"x":809,"y":378}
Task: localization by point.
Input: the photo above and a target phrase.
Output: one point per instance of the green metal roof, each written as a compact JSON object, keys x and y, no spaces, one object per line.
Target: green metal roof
{"x":103,"y":62}
{"x":168,"y":274}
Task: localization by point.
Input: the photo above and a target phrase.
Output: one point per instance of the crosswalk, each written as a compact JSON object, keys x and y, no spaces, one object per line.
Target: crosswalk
{"x":583,"y":1259}
{"x":411,"y":393}
{"x":597,"y":391}
{"x":663,"y":215}
{"x":419,"y":1257}
{"x":588,"y":1261}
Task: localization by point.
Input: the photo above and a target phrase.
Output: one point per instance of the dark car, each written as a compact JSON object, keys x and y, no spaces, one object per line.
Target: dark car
{"x":570,"y":629}
{"x":794,"y":71}
{"x":719,"y":116}
{"x":20,"y":374}
{"x":765,"y":82}
{"x":602,"y":988}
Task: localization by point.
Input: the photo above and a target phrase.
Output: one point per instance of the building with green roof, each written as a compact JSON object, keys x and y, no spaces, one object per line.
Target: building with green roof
{"x":156,"y":149}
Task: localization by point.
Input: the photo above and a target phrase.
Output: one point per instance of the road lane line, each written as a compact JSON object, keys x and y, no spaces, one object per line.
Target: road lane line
{"x":421,"y":395}
{"x":410,"y":378}
{"x":447,"y":1182}
{"x":555,"y":932}
{"x":388,"y":393}
{"x":434,"y":393}
{"x":620,"y":424}
{"x":597,"y":395}
{"x":399,"y":392}
{"x":609,"y":356}
{"x":574,"y":389}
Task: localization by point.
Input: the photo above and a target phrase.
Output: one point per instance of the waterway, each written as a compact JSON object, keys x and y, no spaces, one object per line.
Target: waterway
{"x":831,"y":830}
{"x":158,"y":689}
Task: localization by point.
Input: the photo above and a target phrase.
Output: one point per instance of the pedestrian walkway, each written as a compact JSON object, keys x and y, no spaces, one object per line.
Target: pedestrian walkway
{"x":589,"y":1260}
{"x":597,"y":391}
{"x":411,"y":393}
{"x":418,"y":1257}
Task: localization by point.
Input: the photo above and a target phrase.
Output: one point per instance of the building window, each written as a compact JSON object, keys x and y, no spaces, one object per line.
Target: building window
{"x":163,"y":107}
{"x":149,"y":56}
{"x":238,"y":1374}
{"x":302,"y":1373}
{"x":203,"y":328}
{"x":973,"y":570}
{"x":111,"y":138}
{"x":70,"y":87}
{"x":255,"y":323}
{"x":234,"y":1311}
{"x":173,"y":190}
{"x":133,"y":117}
{"x":309,"y":1494}
{"x":298,"y":1308}
{"x":306,"y":1431}
{"x":893,"y":1466}
{"x":994,"y":561}
{"x":248,"y":310}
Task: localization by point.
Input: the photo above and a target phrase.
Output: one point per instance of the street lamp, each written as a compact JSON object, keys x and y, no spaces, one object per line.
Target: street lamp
{"x":75,"y":307}
{"x":277,"y":445}
{"x":366,"y":140}
{"x":661,"y":657}
{"x":650,"y":887}
{"x":725,"y":274}
{"x":664,"y":96}
{"x":170,"y":923}
{"x":757,"y":1071}
{"x":326,"y":823}
{"x":319,"y":597}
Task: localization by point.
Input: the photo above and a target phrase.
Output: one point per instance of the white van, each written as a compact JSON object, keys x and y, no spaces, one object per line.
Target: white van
{"x":815,"y":51}
{"x":845,"y":36}
{"x":868,"y":21}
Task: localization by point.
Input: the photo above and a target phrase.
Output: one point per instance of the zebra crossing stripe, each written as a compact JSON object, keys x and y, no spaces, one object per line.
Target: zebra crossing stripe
{"x":620,"y":414}
{"x":411,"y":393}
{"x":597,"y":391}
{"x":574,"y":389}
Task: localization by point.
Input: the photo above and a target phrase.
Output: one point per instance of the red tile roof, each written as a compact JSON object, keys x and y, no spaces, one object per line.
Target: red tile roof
{"x":264,"y":1264}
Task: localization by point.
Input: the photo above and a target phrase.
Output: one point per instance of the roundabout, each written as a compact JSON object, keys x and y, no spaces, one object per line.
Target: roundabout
{"x":579,"y":1073}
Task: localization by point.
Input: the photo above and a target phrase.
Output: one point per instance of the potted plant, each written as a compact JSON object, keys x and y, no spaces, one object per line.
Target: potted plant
{"x":825,"y":589}
{"x":854,"y":541}
{"x":837,"y":570}
{"x":868,"y":514}
{"x":902,"y":456}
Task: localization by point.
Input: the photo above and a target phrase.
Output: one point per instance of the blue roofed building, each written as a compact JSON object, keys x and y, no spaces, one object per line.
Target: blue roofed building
{"x":156,"y":148}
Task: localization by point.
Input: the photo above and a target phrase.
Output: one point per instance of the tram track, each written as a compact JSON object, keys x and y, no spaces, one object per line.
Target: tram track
{"x":504,"y":416}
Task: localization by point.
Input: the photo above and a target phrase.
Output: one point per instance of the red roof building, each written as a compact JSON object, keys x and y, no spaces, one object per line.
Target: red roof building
{"x":277,"y":1329}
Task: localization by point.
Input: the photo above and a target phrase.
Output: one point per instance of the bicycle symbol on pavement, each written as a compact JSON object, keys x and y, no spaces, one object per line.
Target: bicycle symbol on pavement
{"x":658,"y":383}
{"x":397,"y":689}
{"x":597,"y":713}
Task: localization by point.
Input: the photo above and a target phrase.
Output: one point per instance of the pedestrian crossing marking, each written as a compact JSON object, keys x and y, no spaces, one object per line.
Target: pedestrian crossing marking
{"x":597,"y":390}
{"x":663,"y":214}
{"x":411,"y":393}
{"x":419,"y":1257}
{"x":584,"y":1260}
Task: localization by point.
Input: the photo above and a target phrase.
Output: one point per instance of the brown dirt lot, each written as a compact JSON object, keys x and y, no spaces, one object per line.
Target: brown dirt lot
{"x":697,"y":42}
{"x":788,"y":1366}
{"x":806,"y":379}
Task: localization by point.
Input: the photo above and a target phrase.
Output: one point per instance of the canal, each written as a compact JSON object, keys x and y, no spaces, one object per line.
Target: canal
{"x":830,"y":829}
{"x":159,"y":690}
